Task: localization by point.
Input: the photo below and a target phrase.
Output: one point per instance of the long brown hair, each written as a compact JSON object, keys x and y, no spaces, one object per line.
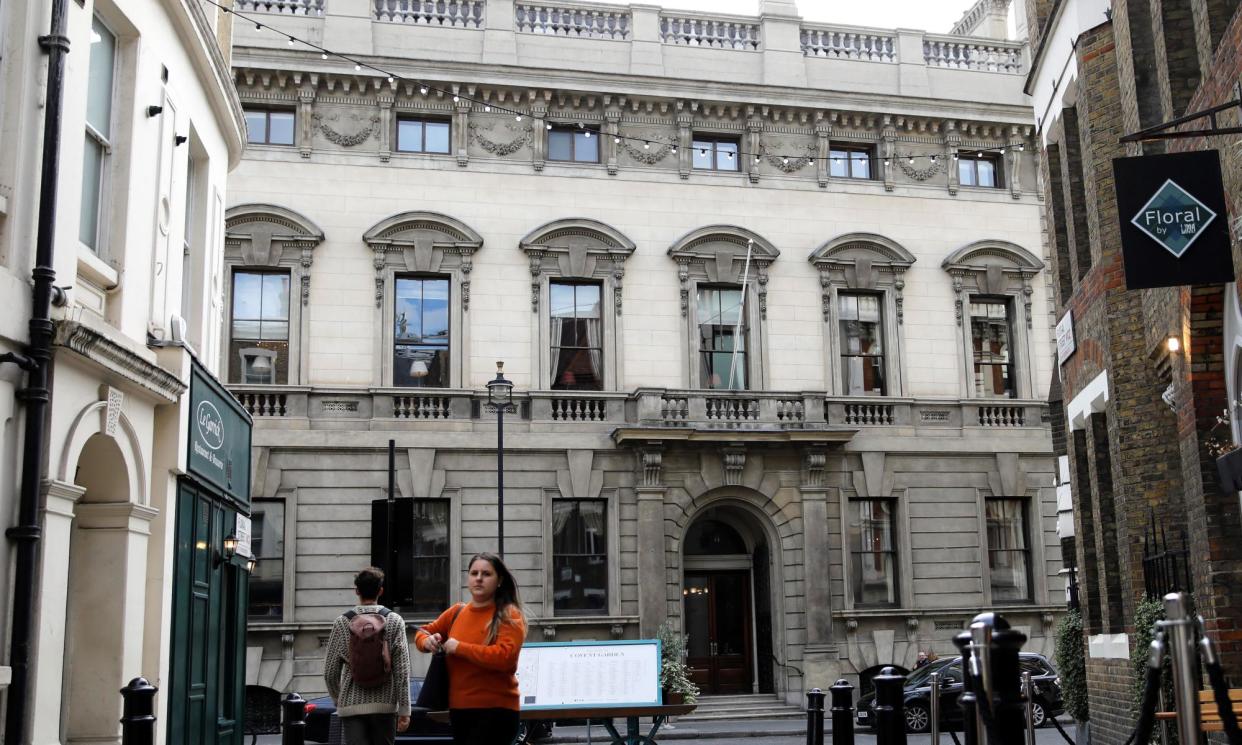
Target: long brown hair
{"x":506,"y":596}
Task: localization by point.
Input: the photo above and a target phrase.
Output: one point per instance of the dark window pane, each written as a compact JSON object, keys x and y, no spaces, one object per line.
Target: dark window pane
{"x":560,"y":145}
{"x":873,"y":554}
{"x":420,"y":366}
{"x":1007,"y":549}
{"x":576,"y":333}
{"x":430,"y":555}
{"x":410,"y":135}
{"x":437,"y":137}
{"x":580,"y":557}
{"x":708,"y":537}
{"x":280,"y":127}
{"x":267,"y":543}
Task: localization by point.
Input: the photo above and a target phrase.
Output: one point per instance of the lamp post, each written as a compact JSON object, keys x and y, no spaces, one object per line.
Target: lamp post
{"x":500,"y":398}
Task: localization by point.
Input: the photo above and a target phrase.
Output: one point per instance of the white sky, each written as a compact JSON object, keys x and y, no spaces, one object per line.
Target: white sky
{"x":935,"y":16}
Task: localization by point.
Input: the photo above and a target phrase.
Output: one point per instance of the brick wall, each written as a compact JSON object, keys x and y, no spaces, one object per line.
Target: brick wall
{"x":1110,"y":695}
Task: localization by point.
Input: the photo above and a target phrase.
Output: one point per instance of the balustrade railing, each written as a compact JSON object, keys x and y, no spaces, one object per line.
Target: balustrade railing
{"x":851,"y":44}
{"x":582,"y":22}
{"x":869,"y":414}
{"x":971,"y":54}
{"x":1002,"y":416}
{"x":287,"y":7}
{"x":709,"y":32}
{"x":428,"y":406}
{"x":264,"y":403}
{"x":731,"y":410}
{"x":579,"y":410}
{"x":451,"y":13}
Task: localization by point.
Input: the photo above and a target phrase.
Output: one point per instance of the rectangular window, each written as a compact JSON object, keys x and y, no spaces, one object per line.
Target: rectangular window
{"x":991,"y":338}
{"x":259,"y":330}
{"x":267,"y":543}
{"x":269,"y":127}
{"x":1008,"y":550}
{"x":850,"y":161}
{"x":95,"y":157}
{"x":862,"y":348}
{"x":580,"y":145}
{"x":432,"y":583}
{"x":580,"y":557}
{"x":419,"y":135}
{"x":576,"y":332}
{"x":979,"y":169}
{"x":722,"y":338}
{"x":716,"y":153}
{"x":873,"y":552}
{"x":420,"y":356}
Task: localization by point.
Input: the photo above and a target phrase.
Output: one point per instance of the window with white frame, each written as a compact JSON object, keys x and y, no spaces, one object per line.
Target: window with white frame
{"x":259,"y":328}
{"x":861,"y":320}
{"x":873,"y":552}
{"x":722,"y":338}
{"x":991,"y":339}
{"x":580,"y":556}
{"x":1009,"y":553}
{"x":96,"y":157}
{"x":421,"y":322}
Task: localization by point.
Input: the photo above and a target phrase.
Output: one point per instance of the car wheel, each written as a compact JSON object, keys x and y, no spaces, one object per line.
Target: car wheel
{"x":918,"y":718}
{"x":1038,"y":716}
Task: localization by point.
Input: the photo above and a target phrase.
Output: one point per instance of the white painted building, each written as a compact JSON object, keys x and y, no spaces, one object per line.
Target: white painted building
{"x":879,"y":471}
{"x":151,"y":127}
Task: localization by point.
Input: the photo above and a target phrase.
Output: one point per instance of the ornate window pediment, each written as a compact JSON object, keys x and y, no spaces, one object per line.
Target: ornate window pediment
{"x":259,"y":235}
{"x":861,"y":261}
{"x":717,"y":254}
{"x":992,"y":267}
{"x":424,"y":242}
{"x":577,"y":248}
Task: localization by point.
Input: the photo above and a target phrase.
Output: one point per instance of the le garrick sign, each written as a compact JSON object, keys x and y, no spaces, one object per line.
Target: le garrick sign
{"x":1173,"y":220}
{"x":219,"y":437}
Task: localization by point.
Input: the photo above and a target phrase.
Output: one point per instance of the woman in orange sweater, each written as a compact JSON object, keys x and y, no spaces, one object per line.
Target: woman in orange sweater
{"x":482,"y":639}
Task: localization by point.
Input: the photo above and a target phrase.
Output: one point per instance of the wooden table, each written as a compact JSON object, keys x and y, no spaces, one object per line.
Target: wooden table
{"x":606,"y":715}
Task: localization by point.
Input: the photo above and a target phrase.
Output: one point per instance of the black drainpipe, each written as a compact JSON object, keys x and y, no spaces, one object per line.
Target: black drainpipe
{"x":36,"y":396}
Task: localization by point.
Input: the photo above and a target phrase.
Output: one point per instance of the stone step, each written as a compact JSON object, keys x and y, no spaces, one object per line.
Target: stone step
{"x":742,"y":706}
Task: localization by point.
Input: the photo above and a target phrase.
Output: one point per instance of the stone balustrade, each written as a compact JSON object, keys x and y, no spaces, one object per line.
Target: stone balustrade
{"x":843,"y":42}
{"x":961,"y":53}
{"x":706,"y":31}
{"x":575,"y":21}
{"x":646,"y":407}
{"x":449,"y":13}
{"x":285,"y":7}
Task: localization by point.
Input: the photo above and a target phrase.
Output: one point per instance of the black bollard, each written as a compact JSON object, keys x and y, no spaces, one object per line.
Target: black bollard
{"x":1007,"y":709}
{"x":138,"y":716}
{"x":815,"y":717}
{"x":294,"y":730}
{"x":890,"y":707}
{"x":842,"y":712}
{"x":967,"y":701}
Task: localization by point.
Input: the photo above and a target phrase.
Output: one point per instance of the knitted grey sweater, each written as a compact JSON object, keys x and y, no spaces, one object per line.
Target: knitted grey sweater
{"x":351,"y":700}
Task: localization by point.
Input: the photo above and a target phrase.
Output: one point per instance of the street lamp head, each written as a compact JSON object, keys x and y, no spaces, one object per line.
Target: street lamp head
{"x":500,"y":389}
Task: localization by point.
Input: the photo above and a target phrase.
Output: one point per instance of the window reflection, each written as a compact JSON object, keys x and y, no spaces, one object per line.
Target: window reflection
{"x":580,"y":557}
{"x":421,"y":332}
{"x":722,"y":338}
{"x":873,"y":554}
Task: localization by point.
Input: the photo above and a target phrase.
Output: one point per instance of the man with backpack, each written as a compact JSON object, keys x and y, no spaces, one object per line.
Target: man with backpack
{"x":367,"y":667}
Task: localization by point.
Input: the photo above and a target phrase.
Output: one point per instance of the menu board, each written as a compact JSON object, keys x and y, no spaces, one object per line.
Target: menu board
{"x":582,"y":674}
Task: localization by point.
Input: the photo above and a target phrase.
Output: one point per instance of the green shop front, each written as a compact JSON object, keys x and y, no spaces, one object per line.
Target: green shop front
{"x":207,"y":666}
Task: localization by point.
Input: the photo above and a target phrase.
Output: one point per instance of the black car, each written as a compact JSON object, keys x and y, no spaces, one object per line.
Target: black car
{"x":1048,"y":702}
{"x":322,"y":723}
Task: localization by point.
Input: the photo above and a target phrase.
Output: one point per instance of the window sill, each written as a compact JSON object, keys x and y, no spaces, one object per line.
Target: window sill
{"x":96,"y":271}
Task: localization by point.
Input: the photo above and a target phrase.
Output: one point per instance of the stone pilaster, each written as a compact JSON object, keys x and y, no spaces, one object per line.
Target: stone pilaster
{"x":823,"y":133}
{"x":652,"y":605}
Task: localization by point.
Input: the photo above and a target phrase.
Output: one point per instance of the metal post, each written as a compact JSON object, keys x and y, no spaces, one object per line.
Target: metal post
{"x":890,"y":708}
{"x":294,"y":730}
{"x":934,"y":693}
{"x":1185,"y":676}
{"x":390,"y":561}
{"x":1006,"y":678}
{"x":1028,"y":693}
{"x":500,"y":480}
{"x":815,"y":717}
{"x":968,"y":700}
{"x":842,"y":712}
{"x":138,"y":713}
{"x":981,"y":671}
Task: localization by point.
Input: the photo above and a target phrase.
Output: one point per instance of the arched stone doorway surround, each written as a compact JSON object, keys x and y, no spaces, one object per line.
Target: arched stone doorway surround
{"x":96,"y":524}
{"x":766,"y":527}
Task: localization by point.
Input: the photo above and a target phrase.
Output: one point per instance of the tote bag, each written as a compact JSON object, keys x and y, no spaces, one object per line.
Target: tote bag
{"x":434,"y":695}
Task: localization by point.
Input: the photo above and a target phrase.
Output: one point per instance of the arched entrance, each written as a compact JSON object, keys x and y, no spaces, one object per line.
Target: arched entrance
{"x":726,"y":606}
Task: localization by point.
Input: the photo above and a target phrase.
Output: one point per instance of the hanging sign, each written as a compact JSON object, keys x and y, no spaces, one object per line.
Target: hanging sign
{"x":1171,"y":211}
{"x":219,"y":437}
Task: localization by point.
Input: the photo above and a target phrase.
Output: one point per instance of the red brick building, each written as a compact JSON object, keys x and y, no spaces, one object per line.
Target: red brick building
{"x":1139,"y":429}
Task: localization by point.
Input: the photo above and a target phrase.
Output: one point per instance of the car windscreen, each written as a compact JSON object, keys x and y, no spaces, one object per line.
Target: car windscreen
{"x":948,"y":668}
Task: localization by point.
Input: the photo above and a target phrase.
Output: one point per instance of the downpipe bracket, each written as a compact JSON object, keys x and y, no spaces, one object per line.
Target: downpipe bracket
{"x":29,"y":364}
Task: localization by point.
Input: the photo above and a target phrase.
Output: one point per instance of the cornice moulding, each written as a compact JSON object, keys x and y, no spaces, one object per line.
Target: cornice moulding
{"x":94,"y":346}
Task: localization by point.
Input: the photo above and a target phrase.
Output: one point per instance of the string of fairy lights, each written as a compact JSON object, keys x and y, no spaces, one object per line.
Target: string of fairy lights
{"x":426,"y":88}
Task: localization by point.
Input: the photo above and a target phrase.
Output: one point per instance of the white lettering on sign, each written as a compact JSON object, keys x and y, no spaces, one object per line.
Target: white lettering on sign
{"x":1174,"y":218}
{"x":210,"y":425}
{"x":209,"y":455}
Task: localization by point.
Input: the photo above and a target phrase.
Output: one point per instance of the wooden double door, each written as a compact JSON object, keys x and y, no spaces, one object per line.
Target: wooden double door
{"x":716,"y":604}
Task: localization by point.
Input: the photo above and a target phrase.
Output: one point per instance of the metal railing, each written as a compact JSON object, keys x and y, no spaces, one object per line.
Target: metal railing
{"x":1165,"y":569}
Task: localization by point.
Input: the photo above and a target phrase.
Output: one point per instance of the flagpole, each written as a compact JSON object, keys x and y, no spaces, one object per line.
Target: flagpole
{"x":737,"y":330}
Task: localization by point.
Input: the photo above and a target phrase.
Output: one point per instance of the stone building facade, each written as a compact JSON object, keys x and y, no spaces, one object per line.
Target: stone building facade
{"x":610,"y":199}
{"x":1145,"y":419}
{"x":149,"y":129}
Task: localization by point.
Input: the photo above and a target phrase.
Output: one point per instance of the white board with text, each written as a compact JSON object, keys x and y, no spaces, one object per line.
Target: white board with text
{"x":583,"y":674}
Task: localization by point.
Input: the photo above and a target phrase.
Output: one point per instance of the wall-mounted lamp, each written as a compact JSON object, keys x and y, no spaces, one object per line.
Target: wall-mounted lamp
{"x":250,"y":565}
{"x":1174,"y":344}
{"x":154,"y":110}
{"x":230,"y":549}
{"x":179,"y":140}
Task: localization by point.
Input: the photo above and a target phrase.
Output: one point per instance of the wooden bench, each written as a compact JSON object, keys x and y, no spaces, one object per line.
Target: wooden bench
{"x":1209,"y":714}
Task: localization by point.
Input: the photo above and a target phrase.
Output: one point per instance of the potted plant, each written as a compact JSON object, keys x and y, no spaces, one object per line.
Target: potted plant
{"x":674,"y":673}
